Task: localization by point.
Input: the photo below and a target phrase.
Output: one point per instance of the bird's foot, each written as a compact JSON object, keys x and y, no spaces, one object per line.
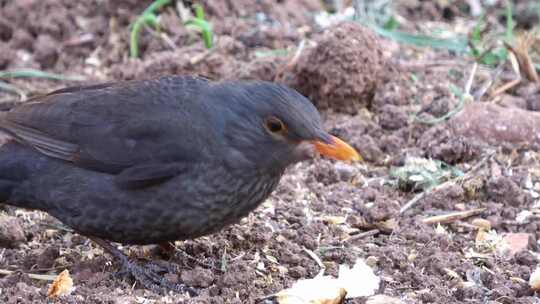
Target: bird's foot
{"x":163,"y":266}
{"x":151,"y":276}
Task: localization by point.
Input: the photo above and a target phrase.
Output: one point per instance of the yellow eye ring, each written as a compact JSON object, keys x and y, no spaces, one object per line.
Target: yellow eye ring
{"x":274,"y":125}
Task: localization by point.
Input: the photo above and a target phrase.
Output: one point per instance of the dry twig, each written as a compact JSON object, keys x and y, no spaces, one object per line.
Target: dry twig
{"x":505,"y":87}
{"x":289,"y":66}
{"x":521,"y":51}
{"x":452,"y":216}
{"x":361,"y":235}
{"x":315,"y":258}
{"x":42,"y":277}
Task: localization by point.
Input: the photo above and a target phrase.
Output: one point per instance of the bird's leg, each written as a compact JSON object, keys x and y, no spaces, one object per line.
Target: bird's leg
{"x":148,"y":275}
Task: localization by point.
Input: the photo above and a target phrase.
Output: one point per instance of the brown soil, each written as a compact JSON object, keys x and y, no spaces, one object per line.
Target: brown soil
{"x":366,"y":98}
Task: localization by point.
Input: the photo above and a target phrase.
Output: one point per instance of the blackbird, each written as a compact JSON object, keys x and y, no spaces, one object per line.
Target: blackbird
{"x":157,"y":160}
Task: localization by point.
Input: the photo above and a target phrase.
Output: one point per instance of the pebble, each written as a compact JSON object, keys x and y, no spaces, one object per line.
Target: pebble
{"x":11,"y":232}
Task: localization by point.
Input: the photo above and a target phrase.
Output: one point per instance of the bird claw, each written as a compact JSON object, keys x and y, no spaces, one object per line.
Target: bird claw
{"x":163,"y":266}
{"x":151,"y":276}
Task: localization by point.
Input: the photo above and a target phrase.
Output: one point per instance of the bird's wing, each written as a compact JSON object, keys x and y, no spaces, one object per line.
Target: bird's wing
{"x":112,"y":127}
{"x":142,"y":176}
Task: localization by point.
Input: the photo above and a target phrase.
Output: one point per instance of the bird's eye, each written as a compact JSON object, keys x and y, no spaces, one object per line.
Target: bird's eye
{"x":274,"y":125}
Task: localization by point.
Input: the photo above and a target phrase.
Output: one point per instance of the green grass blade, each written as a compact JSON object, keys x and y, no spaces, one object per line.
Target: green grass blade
{"x":31,"y":73}
{"x":509,"y":22}
{"x":199,"y":12}
{"x":269,"y":53}
{"x":457,"y":44}
{"x":147,"y":17}
{"x":134,"y":39}
{"x":12,"y":89}
{"x":155,"y":6}
{"x":205,"y":28}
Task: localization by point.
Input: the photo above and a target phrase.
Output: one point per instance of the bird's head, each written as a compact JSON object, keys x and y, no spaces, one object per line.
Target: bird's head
{"x":270,"y":126}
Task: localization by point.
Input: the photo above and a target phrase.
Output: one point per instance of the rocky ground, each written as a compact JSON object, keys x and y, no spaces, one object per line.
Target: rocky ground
{"x":481,"y":165}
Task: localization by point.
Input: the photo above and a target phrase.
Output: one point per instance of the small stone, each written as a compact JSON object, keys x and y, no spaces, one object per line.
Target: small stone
{"x":47,"y":257}
{"x":383,"y":299}
{"x":171,"y":277}
{"x":345,"y":171}
{"x":198,"y":277}
{"x":481,"y":223}
{"x":533,"y":103}
{"x":46,"y":52}
{"x":372,"y":261}
{"x":298,"y":272}
{"x":22,"y":39}
{"x":392,"y":117}
{"x":11,"y":232}
{"x":6,"y":30}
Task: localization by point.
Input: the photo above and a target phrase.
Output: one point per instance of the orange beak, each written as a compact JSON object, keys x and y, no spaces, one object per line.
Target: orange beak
{"x":337,"y":149}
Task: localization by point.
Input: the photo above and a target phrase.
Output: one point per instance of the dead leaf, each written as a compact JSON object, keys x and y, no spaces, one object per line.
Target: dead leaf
{"x":534,"y":280}
{"x":62,"y":285}
{"x":358,"y":281}
{"x":335,"y":220}
{"x":481,"y":237}
{"x":388,"y":225}
{"x":521,"y":51}
{"x":517,"y":242}
{"x":319,"y":290}
{"x":452,"y":274}
{"x":489,"y":242}
{"x":440,"y":230}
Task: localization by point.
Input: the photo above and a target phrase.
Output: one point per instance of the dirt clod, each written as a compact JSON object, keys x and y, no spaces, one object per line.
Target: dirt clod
{"x":497,"y":125}
{"x":11,"y":232}
{"x":46,"y":51}
{"x":342,"y":71}
{"x":505,"y":190}
{"x":198,"y":277}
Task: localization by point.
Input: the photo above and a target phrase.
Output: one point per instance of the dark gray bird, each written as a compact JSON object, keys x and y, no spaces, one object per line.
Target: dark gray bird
{"x":159,"y":160}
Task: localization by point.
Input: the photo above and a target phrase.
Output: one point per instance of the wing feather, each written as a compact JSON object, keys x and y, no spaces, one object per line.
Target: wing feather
{"x":111,"y":127}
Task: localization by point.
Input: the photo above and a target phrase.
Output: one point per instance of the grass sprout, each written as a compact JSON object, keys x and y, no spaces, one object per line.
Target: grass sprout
{"x":150,"y":19}
{"x":378,"y":16}
{"x":457,"y":44}
{"x":483,"y":48}
{"x":200,"y":23}
{"x":147,"y":18}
